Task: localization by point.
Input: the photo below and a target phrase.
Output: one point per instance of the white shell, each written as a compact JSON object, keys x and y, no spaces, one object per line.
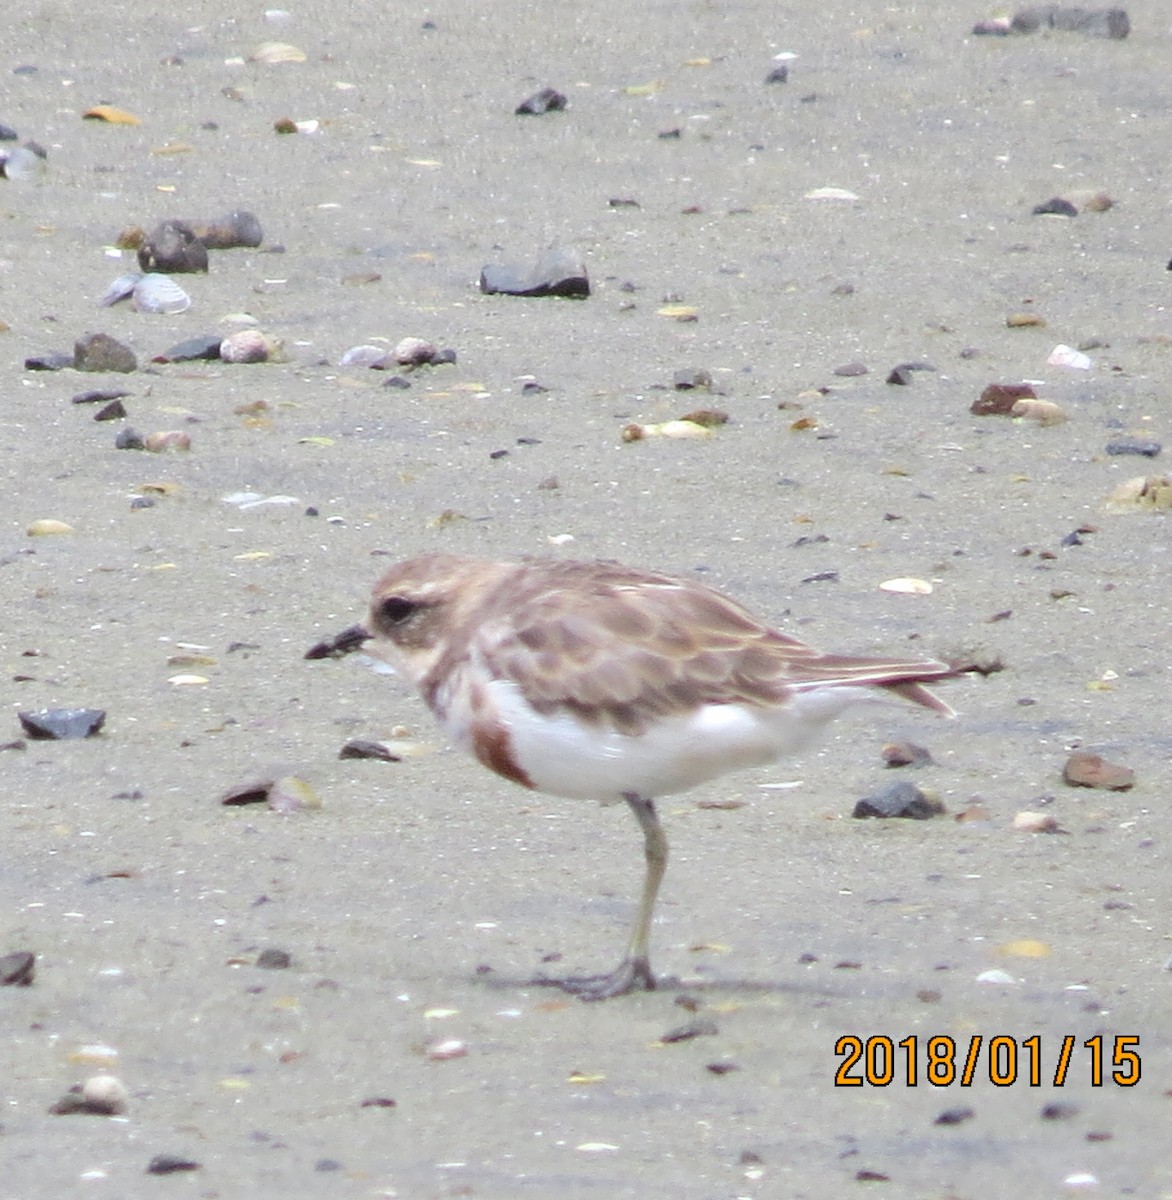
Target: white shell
{"x":160,"y":294}
{"x":1068,"y":356}
{"x":908,"y":587}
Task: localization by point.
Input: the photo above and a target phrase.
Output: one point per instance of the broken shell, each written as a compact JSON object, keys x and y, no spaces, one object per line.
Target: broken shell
{"x":1145,"y":493}
{"x":111,"y":115}
{"x":156,"y":293}
{"x":277,"y":52}
{"x":249,"y":346}
{"x":170,"y":439}
{"x":449,"y":1048}
{"x":122,"y":288}
{"x":907,"y":587}
{"x":1044,"y":412}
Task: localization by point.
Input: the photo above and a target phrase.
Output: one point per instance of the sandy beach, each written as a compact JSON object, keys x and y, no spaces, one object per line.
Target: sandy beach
{"x":422,"y":897}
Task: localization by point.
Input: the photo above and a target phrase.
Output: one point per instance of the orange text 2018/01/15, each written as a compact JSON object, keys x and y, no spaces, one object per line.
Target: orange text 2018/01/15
{"x":942,"y":1060}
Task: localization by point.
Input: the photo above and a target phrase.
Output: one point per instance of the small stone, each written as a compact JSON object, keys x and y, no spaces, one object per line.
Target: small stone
{"x":1043,"y":412}
{"x":905,"y":754}
{"x":415,"y":352}
{"x":172,"y":248}
{"x":114,"y":411}
{"x":687,"y":380}
{"x":62,"y":724}
{"x":100,"y":352}
{"x":1059,"y":1110}
{"x":1089,"y":770}
{"x":53,"y":361}
{"x":547,"y":100}
{"x":955,"y":1116}
{"x":99,"y":396}
{"x":170,"y":439}
{"x":274,"y":960}
{"x":1138,"y":446}
{"x":129,"y":439}
{"x":1055,"y":207}
{"x":779,"y":74}
{"x":361,"y":748}
{"x":851,"y":369}
{"x":205,"y":346}
{"x":899,"y":800}
{"x":1025,"y":321}
{"x":558,"y":272}
{"x":701,"y":1027}
{"x":100,"y":1095}
{"x":998,"y":399}
{"x":18,"y":969}
{"x":170,"y":1164}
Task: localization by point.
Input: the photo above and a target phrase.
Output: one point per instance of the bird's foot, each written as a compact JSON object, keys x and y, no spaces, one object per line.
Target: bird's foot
{"x":631,"y":975}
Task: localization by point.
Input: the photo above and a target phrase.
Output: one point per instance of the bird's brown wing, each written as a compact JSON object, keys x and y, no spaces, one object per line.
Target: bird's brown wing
{"x":623,"y":647}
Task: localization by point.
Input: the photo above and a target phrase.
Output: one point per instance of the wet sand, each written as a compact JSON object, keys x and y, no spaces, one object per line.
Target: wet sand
{"x":428,"y":885}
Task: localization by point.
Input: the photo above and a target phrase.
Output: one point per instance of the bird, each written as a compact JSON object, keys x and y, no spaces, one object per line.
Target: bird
{"x":595,"y":680}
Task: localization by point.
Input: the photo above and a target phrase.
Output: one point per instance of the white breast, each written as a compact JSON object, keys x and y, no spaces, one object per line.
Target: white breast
{"x":565,"y":756}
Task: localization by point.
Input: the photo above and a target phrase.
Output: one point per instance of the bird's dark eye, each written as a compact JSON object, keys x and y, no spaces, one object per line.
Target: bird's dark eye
{"x":394,"y":610}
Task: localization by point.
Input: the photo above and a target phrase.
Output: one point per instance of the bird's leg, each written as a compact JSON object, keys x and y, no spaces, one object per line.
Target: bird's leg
{"x":634,"y":972}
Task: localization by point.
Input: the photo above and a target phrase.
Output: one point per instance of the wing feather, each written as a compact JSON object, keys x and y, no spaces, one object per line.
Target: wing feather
{"x":620,"y":647}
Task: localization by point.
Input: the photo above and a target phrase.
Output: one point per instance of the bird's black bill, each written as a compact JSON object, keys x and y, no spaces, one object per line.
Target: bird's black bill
{"x":340,"y":644}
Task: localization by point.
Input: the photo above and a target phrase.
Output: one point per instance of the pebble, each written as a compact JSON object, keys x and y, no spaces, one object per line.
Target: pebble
{"x":100,"y":1095}
{"x":998,"y":399}
{"x":62,"y":724}
{"x":249,"y":346}
{"x":170,"y":439}
{"x":1139,"y":446}
{"x":701,"y":1027}
{"x":547,"y":100}
{"x":905,"y":754}
{"x":901,"y":799}
{"x":100,"y":352}
{"x":1089,"y":770}
{"x":99,"y":396}
{"x":1043,"y":412}
{"x":362,"y":748}
{"x":559,"y":271}
{"x":170,"y":1164}
{"x":687,"y":380}
{"x":114,"y":411}
{"x":205,"y":346}
{"x":18,"y":969}
{"x":172,"y":248}
{"x":273,"y":959}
